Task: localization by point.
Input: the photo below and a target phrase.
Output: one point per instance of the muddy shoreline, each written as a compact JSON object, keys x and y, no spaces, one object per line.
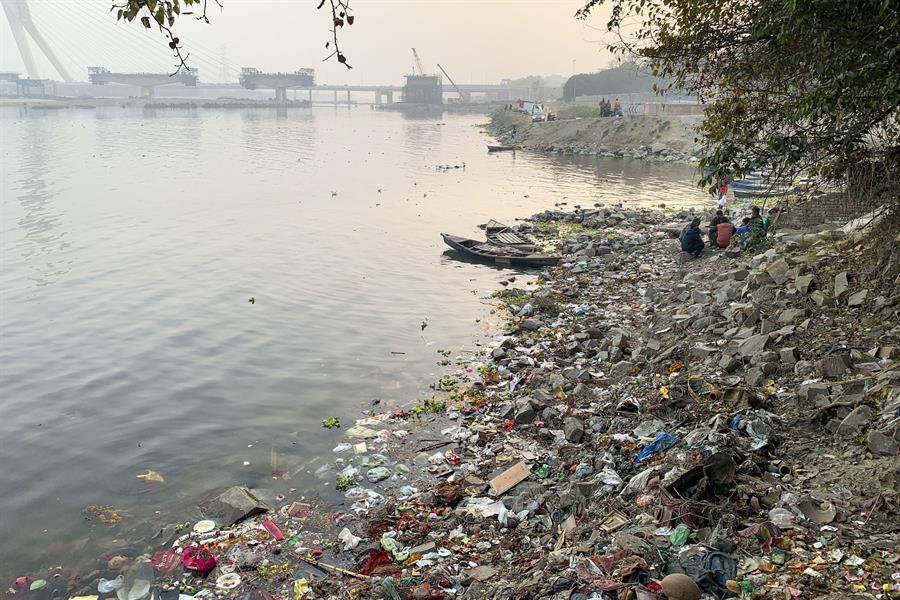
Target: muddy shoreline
{"x":731,"y":418}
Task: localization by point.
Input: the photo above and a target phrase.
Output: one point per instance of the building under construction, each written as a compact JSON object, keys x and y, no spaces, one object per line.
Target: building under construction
{"x":423,"y":89}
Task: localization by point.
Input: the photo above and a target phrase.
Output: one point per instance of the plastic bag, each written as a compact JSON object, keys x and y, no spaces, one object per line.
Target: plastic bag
{"x":663,"y":442}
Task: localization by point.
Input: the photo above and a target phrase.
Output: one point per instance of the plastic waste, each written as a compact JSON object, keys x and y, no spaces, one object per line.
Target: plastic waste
{"x":663,"y":442}
{"x":680,"y":535}
{"x":137,"y":582}
{"x":229,"y":581}
{"x":198,"y":558}
{"x":37,"y":584}
{"x":392,"y":546}
{"x":108,"y":586}
{"x":204,"y":526}
{"x":390,"y":588}
{"x":358,"y":431}
{"x":378,"y":474}
{"x":350,"y":541}
{"x":152,"y":476}
{"x":273,"y":530}
{"x":485,"y":507}
{"x":301,"y":588}
{"x":782,"y":518}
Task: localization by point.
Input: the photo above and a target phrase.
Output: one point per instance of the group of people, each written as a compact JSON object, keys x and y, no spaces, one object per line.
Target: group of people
{"x":610,"y":110}
{"x":722,"y":232}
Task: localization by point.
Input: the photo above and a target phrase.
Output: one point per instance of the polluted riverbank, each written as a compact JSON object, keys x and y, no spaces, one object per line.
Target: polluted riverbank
{"x":644,"y":427}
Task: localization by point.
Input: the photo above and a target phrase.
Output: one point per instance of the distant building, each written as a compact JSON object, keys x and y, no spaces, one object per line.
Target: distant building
{"x":423,"y":89}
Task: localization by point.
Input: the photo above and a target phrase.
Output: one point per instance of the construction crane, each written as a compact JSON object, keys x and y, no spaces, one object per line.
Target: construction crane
{"x":463,"y":96}
{"x":418,"y":63}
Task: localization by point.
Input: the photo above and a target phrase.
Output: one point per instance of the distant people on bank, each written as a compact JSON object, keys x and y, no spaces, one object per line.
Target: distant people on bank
{"x":723,"y":194}
{"x":720,"y":230}
{"x":605,"y":108}
{"x":691,"y":239}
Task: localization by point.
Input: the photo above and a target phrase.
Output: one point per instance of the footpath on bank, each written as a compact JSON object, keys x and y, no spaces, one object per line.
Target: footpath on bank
{"x":646,"y":427}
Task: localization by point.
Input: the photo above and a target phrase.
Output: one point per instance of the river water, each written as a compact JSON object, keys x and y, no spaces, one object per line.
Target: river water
{"x":131,"y":242}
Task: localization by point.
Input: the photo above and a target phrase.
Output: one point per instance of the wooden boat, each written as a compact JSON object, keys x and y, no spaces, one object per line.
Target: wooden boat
{"x":500,"y":148}
{"x":500,"y":235}
{"x":499,"y":255}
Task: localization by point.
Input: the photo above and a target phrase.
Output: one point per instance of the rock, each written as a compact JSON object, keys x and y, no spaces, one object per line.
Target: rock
{"x":619,"y":339}
{"x":855,"y":422}
{"x":621,"y":369}
{"x":524,"y":411}
{"x":233,"y":506}
{"x":753,"y":345}
{"x":755,"y":377}
{"x":878,"y":443}
{"x":858,"y":298}
{"x":678,"y":586}
{"x":482,"y":573}
{"x":841,"y":284}
{"x":573,"y":429}
{"x":778,"y":271}
{"x":818,"y":297}
{"x":532,"y":324}
{"x":804,"y":283}
{"x":803,"y":367}
{"x":791,"y":315}
{"x":811,"y":392}
{"x":832,"y":366}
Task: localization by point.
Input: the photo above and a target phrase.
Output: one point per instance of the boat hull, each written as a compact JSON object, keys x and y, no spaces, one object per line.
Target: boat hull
{"x":502,"y":256}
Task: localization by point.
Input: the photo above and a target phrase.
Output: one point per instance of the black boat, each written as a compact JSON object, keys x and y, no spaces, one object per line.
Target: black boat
{"x":500,"y":148}
{"x":499,"y":255}
{"x":500,"y":235}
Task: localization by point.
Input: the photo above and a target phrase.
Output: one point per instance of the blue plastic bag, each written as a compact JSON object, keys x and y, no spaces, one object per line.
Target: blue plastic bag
{"x":663,"y":442}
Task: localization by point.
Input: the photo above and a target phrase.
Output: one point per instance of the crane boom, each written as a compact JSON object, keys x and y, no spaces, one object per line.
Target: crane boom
{"x":418,"y":62}
{"x":463,"y":96}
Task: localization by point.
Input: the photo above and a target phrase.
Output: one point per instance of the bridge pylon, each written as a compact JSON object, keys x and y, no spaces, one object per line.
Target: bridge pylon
{"x":18,"y":15}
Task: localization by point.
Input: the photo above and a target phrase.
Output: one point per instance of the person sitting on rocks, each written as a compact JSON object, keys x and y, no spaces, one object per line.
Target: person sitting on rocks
{"x":714,"y":225}
{"x":757,"y":223}
{"x":743,"y":233}
{"x":724,"y":231}
{"x":691,"y":240}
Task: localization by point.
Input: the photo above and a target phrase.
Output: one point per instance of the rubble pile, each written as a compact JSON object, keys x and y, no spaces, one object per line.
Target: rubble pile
{"x":647,"y":427}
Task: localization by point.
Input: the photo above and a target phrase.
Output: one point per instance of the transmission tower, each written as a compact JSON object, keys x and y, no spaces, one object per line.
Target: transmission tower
{"x":18,"y":16}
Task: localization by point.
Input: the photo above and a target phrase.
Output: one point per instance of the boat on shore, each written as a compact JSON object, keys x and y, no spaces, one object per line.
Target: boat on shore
{"x":502,"y":235}
{"x":500,"y":148}
{"x":498,"y":255}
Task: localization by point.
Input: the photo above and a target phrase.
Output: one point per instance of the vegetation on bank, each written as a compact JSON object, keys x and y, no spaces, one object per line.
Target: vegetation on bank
{"x":793,"y":87}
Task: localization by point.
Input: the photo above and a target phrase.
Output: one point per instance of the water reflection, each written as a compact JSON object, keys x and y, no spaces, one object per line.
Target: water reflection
{"x":44,"y":242}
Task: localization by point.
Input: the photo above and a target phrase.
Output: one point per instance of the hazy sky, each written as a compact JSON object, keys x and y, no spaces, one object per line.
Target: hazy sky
{"x":475,"y":40}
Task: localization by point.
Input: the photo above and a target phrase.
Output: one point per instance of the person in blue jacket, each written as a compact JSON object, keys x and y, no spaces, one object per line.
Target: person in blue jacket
{"x":691,"y":238}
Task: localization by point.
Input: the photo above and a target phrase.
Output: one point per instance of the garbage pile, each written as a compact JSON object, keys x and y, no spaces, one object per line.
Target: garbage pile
{"x":645,"y":429}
